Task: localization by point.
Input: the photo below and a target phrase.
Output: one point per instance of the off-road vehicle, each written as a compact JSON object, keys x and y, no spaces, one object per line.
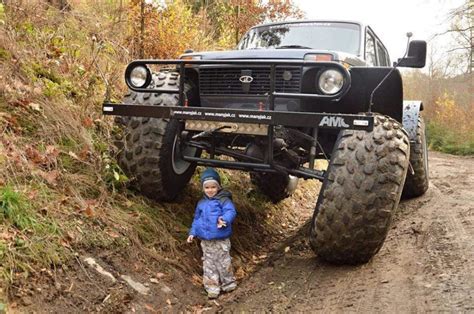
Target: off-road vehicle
{"x":291,"y":93}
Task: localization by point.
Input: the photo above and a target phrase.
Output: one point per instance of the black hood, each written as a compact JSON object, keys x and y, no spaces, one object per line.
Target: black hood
{"x":222,"y":195}
{"x":297,"y":54}
{"x":275,"y":54}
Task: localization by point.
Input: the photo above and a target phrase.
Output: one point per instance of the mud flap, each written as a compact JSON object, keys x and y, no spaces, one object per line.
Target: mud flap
{"x":411,"y":111}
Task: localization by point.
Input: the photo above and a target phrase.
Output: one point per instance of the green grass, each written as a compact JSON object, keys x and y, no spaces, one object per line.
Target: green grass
{"x":13,"y":208}
{"x":30,"y":238}
{"x":449,"y":141}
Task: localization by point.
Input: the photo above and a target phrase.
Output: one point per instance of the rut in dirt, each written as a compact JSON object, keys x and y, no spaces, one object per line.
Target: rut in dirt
{"x":426,"y":263}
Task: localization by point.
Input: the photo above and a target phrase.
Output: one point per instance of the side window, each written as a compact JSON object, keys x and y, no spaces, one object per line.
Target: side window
{"x":370,"y":56}
{"x":382,"y":55}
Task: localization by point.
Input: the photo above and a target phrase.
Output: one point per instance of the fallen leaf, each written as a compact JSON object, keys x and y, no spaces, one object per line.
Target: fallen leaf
{"x":287,"y":249}
{"x":149,"y":308}
{"x":89,"y":211}
{"x":51,"y":155}
{"x":34,"y":155}
{"x":70,"y":235}
{"x":32,"y":194}
{"x":6,"y":236}
{"x":113,"y":234}
{"x":84,"y":153}
{"x":73,"y":155}
{"x":51,"y":177}
{"x":196,"y":280}
{"x":87,"y":122}
{"x":34,"y":106}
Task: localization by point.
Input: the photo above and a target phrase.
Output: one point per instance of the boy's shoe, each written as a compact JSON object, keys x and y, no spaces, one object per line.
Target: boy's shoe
{"x":212,"y":295}
{"x":229,"y":287}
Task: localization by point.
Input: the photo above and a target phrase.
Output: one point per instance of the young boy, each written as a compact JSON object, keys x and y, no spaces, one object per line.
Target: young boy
{"x":212,"y":223}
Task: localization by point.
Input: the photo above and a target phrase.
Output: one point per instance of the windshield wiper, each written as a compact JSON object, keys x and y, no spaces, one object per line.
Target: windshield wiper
{"x":293,"y":47}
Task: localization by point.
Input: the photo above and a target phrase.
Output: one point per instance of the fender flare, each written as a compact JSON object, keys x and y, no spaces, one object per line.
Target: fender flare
{"x":411,"y":112}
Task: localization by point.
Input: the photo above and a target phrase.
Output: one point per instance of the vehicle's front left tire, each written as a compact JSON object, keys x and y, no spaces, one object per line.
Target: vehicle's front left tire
{"x":149,"y":149}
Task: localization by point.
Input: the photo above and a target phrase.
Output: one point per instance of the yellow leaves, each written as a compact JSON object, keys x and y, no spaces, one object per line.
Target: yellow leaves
{"x":177,"y":26}
{"x":448,"y":113}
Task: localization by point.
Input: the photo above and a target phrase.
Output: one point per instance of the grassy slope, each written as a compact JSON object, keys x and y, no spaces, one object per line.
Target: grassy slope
{"x":62,"y":195}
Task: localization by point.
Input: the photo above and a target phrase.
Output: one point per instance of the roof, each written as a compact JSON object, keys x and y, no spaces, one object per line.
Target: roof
{"x":309,"y":21}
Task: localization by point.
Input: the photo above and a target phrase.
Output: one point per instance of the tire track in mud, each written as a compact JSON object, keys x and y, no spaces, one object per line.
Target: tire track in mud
{"x":426,"y":263}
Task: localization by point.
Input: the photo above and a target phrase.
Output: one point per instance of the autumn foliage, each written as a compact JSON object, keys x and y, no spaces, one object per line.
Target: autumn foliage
{"x":448,"y":109}
{"x":167,"y":30}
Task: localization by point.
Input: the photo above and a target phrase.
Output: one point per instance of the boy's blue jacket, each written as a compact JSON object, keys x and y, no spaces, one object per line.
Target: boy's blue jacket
{"x":208,"y":210}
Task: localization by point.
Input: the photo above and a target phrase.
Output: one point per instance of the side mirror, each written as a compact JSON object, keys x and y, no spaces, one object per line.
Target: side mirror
{"x":416,"y":57}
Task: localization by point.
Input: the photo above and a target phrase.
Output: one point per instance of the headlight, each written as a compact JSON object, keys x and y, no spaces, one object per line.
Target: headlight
{"x":330,"y":81}
{"x":140,"y":76}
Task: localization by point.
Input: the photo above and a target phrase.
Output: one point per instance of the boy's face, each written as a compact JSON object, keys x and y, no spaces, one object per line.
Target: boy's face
{"x":210,"y":189}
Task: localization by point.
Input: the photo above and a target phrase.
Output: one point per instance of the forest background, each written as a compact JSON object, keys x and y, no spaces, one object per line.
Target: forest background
{"x":61,"y":192}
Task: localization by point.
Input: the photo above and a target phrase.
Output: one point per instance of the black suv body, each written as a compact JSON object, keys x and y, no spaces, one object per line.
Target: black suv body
{"x":291,"y":93}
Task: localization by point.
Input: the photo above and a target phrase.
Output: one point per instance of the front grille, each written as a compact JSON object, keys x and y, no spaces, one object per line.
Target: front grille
{"x":225,"y":81}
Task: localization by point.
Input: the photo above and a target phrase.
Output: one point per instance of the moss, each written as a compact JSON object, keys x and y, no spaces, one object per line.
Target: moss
{"x":5,"y":54}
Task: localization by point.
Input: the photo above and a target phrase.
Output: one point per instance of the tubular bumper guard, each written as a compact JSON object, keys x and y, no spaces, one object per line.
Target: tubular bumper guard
{"x":265,"y":117}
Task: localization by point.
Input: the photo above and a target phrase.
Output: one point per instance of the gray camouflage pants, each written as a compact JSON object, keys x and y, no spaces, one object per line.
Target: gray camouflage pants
{"x":217,"y":266}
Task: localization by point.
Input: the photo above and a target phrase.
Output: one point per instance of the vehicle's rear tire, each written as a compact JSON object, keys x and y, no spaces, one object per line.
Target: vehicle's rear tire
{"x":416,"y":184}
{"x":149,"y":148}
{"x":360,"y":193}
{"x":273,"y":185}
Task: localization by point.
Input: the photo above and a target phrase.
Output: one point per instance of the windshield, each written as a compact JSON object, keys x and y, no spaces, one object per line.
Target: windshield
{"x":332,"y":36}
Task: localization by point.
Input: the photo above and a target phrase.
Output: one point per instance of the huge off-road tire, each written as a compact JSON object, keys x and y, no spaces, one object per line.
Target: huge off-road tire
{"x":149,"y":148}
{"x":417,"y":183}
{"x":272,"y":185}
{"x":360,"y":193}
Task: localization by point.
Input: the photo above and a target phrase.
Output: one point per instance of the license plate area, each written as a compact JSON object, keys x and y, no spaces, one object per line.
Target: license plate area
{"x":229,"y":127}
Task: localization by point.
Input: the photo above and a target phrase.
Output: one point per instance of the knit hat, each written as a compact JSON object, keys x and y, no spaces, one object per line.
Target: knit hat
{"x":210,"y":175}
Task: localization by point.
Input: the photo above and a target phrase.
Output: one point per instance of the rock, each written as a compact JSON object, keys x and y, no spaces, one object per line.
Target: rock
{"x":26,"y":301}
{"x":140,"y":288}
{"x":93,"y":264}
{"x":166,"y":289}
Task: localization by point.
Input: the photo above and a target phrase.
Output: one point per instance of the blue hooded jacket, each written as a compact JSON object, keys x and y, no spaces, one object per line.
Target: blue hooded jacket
{"x":208,"y":210}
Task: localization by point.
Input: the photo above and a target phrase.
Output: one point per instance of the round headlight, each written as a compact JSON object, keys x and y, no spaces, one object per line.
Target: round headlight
{"x":140,"y":76}
{"x":331,"y":81}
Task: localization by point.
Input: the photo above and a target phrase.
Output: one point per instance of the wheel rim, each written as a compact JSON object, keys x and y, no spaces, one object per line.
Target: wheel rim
{"x":179,"y":165}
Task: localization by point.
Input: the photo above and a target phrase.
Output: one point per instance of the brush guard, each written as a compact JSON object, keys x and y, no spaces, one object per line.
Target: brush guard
{"x":269,"y":117}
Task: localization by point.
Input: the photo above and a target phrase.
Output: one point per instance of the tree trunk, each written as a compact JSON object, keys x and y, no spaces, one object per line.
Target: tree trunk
{"x":142,"y":29}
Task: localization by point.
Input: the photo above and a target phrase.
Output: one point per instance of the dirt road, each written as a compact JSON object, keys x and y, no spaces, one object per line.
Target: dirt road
{"x":426,"y":263}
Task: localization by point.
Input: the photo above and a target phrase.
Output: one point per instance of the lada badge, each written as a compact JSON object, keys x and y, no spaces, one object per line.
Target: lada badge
{"x":246,"y":79}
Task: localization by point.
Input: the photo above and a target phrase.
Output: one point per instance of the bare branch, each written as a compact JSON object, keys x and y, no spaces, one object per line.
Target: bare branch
{"x":459,"y":48}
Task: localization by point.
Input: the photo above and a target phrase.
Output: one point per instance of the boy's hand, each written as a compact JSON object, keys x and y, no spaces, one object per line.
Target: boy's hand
{"x":221,"y":223}
{"x":190,"y":239}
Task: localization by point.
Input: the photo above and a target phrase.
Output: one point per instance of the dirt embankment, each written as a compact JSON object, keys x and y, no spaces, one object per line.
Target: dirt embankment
{"x":426,"y":263}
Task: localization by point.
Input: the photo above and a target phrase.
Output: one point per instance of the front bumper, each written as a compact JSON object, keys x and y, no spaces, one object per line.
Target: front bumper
{"x":265,"y":117}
